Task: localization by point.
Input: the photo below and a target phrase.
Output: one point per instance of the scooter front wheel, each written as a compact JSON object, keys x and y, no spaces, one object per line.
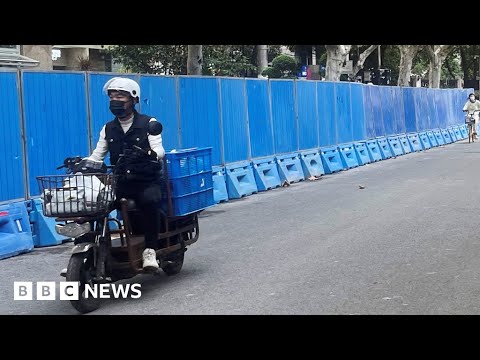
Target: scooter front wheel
{"x":81,"y":269}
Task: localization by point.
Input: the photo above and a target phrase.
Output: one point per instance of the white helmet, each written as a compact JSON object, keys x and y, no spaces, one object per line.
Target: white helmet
{"x":123,"y":84}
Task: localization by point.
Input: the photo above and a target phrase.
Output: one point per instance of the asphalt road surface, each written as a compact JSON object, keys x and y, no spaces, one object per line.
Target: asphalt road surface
{"x":400,"y":236}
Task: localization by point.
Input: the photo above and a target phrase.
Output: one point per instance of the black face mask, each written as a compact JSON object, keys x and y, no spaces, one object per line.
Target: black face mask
{"x":117,"y":108}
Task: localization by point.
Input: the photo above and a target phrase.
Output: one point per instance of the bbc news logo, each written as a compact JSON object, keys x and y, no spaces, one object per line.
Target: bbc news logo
{"x":69,"y":290}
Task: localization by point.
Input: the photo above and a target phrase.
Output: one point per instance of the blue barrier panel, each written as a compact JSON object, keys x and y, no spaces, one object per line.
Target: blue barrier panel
{"x":44,"y":233}
{"x":414,"y":142}
{"x":387,"y":110}
{"x":306,"y":96}
{"x":12,"y":177}
{"x":15,"y":231}
{"x":448,"y":112}
{"x":432,"y":106}
{"x":395,"y":146}
{"x":439,"y":137}
{"x":99,"y":108}
{"x":289,"y":168}
{"x":331,"y":159}
{"x":234,"y":120}
{"x":343,"y":112}
{"x":54,"y":129}
{"x":446,"y":136}
{"x":424,"y":140}
{"x":409,"y":109}
{"x":399,"y":112}
{"x":422,"y":116}
{"x":200,"y":115}
{"x":432,"y":138}
{"x":326,"y":113}
{"x":377,"y":106}
{"x":373,"y":150}
{"x":384,"y":148}
{"x":240,"y":180}
{"x":369,"y":115}
{"x":220,"y":193}
{"x":259,"y":119}
{"x":158,"y":98}
{"x":348,"y":155}
{"x":463,"y":131}
{"x":363,"y":155}
{"x":311,"y":163}
{"x":405,"y":144}
{"x":285,"y":135}
{"x":358,"y":112}
{"x":458,"y":132}
{"x":266,"y":173}
{"x":453,"y":136}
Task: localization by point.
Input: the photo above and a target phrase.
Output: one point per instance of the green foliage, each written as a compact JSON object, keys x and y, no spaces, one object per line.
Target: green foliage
{"x":151,"y":59}
{"x":218,"y":60}
{"x":283,"y":66}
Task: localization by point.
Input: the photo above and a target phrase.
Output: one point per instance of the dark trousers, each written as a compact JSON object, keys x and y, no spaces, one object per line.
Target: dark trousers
{"x":147,"y":200}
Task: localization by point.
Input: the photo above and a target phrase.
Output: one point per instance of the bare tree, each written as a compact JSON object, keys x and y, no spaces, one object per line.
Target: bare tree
{"x":195,"y":60}
{"x":262,"y":59}
{"x":437,"y":54}
{"x":361,"y":59}
{"x":336,"y":56}
{"x":407,"y":54}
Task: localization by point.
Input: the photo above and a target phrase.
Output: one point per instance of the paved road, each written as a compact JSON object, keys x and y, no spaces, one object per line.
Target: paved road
{"x":408,"y":243}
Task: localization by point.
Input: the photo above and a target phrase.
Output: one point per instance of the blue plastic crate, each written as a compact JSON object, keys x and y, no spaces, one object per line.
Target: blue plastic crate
{"x":191,"y":184}
{"x":191,"y":180}
{"x":184,"y":205}
{"x":185,"y":162}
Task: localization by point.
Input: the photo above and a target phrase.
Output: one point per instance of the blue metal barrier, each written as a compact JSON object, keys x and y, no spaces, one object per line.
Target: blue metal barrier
{"x":290,"y":168}
{"x":439,"y":137}
{"x":240,"y":180}
{"x":374,"y":150}
{"x":424,"y":140}
{"x":395,"y":146}
{"x":432,"y":138}
{"x":266,"y":174}
{"x":348,"y":155}
{"x":331,"y":159}
{"x":446,"y":136}
{"x":220,"y":193}
{"x":384,"y":148}
{"x":15,"y":231}
{"x":414,"y":142}
{"x":363,"y":155}
{"x":312,"y":163}
{"x":407,"y":148}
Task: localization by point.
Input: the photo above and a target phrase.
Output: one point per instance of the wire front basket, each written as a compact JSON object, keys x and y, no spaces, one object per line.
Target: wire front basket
{"x":76,"y":195}
{"x":469,"y":120}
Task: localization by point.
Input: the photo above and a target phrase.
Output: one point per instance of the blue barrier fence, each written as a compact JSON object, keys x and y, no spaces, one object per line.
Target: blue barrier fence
{"x":48,"y":116}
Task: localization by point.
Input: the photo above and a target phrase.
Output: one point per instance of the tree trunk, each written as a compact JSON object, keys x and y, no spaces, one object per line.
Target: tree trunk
{"x":361,"y":60}
{"x":195,"y":60}
{"x":262,"y":59}
{"x":336,"y":56}
{"x":407,"y":54}
{"x":464,"y":64}
{"x":437,"y":54}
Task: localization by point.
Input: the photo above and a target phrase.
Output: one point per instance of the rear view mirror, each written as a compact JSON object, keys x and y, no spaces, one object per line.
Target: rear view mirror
{"x":155,"y":128}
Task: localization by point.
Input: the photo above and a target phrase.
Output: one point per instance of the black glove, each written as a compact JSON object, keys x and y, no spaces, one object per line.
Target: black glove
{"x":152,"y":155}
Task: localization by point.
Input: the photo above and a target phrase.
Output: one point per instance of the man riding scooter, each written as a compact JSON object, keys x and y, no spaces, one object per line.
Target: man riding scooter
{"x":140,"y":179}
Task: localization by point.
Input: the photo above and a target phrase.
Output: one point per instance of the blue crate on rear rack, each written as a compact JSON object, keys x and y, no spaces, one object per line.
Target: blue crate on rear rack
{"x":191,"y":181}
